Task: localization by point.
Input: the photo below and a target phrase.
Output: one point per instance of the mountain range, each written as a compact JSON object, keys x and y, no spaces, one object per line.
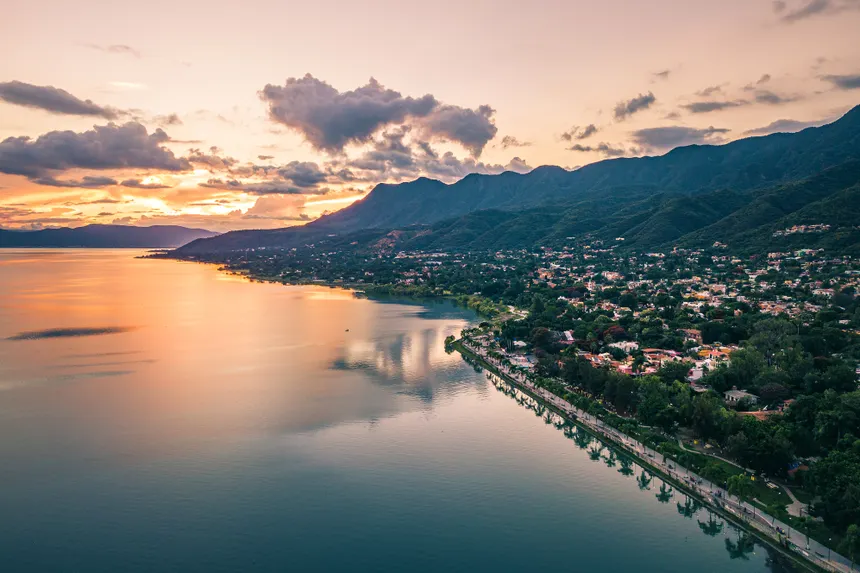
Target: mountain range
{"x":741,"y":193}
{"x":104,"y":236}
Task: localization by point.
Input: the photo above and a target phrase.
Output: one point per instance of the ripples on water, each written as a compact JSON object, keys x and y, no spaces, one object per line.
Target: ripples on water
{"x":259,"y":427}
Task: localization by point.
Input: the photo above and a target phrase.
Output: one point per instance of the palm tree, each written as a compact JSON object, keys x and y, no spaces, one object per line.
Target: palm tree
{"x":742,"y":487}
{"x":626,"y":468}
{"x":803,"y":523}
{"x":594,"y":452}
{"x":851,"y":543}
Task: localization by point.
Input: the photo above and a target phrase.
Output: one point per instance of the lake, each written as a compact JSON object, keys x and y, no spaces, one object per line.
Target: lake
{"x":164,"y":416}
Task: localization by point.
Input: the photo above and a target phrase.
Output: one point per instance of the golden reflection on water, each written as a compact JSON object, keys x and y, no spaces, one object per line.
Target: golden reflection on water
{"x":208,"y":353}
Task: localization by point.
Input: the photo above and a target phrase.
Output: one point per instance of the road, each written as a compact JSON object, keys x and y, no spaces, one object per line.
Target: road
{"x":766,"y":524}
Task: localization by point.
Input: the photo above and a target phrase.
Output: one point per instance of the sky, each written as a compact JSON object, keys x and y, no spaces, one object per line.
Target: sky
{"x":266,"y":114}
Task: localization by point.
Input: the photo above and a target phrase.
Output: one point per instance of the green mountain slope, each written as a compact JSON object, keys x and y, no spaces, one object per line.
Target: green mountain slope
{"x":769,"y":210}
{"x":745,"y":165}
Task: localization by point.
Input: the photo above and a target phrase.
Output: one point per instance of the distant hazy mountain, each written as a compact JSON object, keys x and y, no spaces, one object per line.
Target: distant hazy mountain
{"x":603,"y":194}
{"x":104,"y":236}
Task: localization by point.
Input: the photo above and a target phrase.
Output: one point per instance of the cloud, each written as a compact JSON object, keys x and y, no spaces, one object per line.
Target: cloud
{"x":265,"y":157}
{"x":212,"y":160}
{"x":662,"y":75}
{"x":86,"y":182}
{"x":579,"y":133}
{"x":785,"y":126}
{"x":108,"y":146}
{"x":625,"y":109}
{"x":674,"y":136}
{"x":605,"y":149}
{"x":138,"y":184}
{"x":329,"y":119}
{"x":167,"y":120}
{"x":392,"y":159}
{"x":765,"y":78}
{"x":709,"y":91}
{"x":844,"y":82}
{"x":810,"y":8}
{"x":268,"y":187}
{"x":770,"y":98}
{"x":472,"y":128}
{"x":304,"y":174}
{"x":709,"y":106}
{"x":121,"y":49}
{"x":278,"y":206}
{"x":104,"y":201}
{"x":511,"y":141}
{"x":52,"y":100}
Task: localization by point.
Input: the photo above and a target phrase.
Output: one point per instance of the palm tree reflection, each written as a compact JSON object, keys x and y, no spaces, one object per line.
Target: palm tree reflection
{"x":712,"y":527}
{"x":739,"y":549}
{"x":644,"y":480}
{"x":690,"y":507}
{"x":665,"y":494}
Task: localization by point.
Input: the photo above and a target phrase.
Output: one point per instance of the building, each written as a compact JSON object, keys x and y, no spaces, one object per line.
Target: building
{"x":734,"y":396}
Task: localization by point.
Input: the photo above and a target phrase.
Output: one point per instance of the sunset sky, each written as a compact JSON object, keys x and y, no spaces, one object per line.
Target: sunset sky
{"x":266,"y":113}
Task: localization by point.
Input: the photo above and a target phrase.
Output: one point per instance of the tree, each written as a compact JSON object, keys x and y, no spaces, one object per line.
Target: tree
{"x":803,"y":523}
{"x":851,"y":543}
{"x":741,"y":486}
{"x":771,"y":337}
{"x":706,"y":416}
{"x":773,"y":392}
{"x":674,"y":371}
{"x":746,"y":365}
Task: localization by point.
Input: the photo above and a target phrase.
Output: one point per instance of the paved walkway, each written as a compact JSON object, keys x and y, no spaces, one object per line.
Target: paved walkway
{"x":765,"y":524}
{"x":797,"y":508}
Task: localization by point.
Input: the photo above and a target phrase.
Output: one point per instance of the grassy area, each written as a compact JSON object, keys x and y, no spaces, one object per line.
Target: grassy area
{"x":802,"y":495}
{"x":719,"y":471}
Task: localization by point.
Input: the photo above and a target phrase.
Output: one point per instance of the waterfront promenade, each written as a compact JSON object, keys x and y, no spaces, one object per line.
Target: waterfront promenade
{"x":766,"y":525}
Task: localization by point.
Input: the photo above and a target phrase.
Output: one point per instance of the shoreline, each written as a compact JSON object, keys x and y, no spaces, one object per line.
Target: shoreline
{"x":581,"y":420}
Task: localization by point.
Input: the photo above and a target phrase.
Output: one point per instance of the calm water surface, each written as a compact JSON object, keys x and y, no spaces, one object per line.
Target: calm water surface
{"x":163,"y":416}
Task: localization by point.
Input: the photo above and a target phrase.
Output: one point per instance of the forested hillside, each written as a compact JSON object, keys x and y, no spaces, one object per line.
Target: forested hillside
{"x":692,"y":195}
